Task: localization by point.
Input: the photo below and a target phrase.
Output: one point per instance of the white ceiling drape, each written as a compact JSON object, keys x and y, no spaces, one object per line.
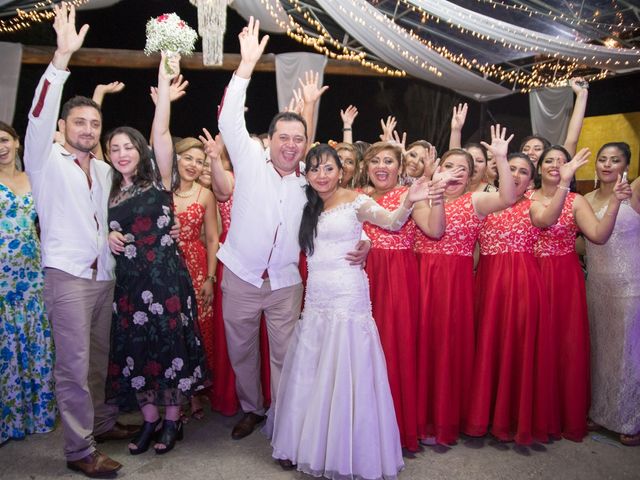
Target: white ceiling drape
{"x":592,"y":55}
{"x":394,"y":45}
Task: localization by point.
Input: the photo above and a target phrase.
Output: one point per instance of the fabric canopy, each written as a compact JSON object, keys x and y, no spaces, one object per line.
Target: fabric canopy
{"x":531,"y":41}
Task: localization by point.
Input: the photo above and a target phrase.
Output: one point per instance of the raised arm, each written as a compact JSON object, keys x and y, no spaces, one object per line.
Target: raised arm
{"x":98,"y":96}
{"x":231,"y":120}
{"x":581,"y":88}
{"x":457,"y":122}
{"x":46,"y":101}
{"x":222,"y":181}
{"x":542,"y":216}
{"x":485,"y":203}
{"x":311,"y":93}
{"x":348,"y":116}
{"x":160,"y":133}
{"x":599,"y":231}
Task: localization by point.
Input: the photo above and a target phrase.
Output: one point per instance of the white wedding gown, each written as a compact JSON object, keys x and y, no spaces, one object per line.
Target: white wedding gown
{"x":334,"y":416}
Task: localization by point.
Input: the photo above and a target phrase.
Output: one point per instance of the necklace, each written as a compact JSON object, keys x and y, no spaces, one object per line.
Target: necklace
{"x":126,"y":188}
{"x":188,"y":193}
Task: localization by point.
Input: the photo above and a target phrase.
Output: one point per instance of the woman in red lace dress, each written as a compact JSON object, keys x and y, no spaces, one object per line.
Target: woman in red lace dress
{"x":195,"y":206}
{"x":446,"y":327}
{"x":223,"y":396}
{"x":393,"y":279}
{"x":510,"y":388}
{"x":561,"y":273}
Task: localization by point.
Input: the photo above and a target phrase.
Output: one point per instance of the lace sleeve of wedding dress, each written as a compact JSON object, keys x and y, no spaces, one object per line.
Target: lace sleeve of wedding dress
{"x":367,"y":210}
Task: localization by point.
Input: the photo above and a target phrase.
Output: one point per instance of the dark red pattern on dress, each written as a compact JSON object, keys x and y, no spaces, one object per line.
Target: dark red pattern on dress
{"x":402,"y":239}
{"x":463,"y":228}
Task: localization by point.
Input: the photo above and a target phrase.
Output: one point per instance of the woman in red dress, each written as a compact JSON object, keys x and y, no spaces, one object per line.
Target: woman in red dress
{"x":561,"y":273}
{"x":446,"y":328}
{"x":393,"y":279}
{"x":510,"y":388}
{"x":223,"y":397}
{"x":195,"y":206}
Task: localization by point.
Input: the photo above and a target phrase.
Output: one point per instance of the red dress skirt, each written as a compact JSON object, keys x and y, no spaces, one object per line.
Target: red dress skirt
{"x":393,"y":278}
{"x":510,"y":390}
{"x":569,"y":354}
{"x":446,"y":336}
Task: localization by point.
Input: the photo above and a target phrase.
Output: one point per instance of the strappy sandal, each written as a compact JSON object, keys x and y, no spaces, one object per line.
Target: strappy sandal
{"x":172,"y":432}
{"x":630,"y":440}
{"x":143,"y":438}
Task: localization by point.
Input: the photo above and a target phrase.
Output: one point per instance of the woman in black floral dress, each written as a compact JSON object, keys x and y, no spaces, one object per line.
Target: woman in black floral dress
{"x":156,"y":357}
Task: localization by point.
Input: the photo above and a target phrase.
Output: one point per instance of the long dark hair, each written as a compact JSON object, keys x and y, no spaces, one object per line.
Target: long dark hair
{"x":314,"y":206}
{"x":145,"y":173}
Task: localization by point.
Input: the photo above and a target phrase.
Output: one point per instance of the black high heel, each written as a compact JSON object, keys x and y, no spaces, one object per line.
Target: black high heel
{"x":172,"y":432}
{"x":143,"y":438}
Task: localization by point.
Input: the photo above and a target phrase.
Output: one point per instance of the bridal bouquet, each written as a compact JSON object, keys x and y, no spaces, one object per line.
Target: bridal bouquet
{"x":168,"y":33}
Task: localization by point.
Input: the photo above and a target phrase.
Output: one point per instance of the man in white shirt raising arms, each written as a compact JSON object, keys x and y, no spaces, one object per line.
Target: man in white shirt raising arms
{"x":71,"y":190}
{"x":261,"y":252}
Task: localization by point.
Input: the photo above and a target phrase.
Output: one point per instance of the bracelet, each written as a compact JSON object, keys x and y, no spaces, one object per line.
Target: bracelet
{"x":563,"y":188}
{"x":210,"y":277}
{"x":346,"y":129}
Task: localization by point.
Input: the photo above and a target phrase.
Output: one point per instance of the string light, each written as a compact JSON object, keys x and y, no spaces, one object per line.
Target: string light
{"x":324,"y":43}
{"x":39,"y":13}
{"x":570,"y":19}
{"x":552,"y":72}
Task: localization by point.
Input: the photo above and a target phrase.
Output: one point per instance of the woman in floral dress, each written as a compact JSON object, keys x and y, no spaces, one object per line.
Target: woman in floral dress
{"x":156,"y":357}
{"x":195,"y":206}
{"x":26,"y":345}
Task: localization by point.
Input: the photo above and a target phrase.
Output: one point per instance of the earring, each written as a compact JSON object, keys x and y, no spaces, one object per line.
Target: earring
{"x":595,"y":179}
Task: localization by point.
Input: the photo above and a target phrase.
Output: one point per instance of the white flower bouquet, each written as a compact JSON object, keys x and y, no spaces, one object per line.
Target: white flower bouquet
{"x":168,"y":33}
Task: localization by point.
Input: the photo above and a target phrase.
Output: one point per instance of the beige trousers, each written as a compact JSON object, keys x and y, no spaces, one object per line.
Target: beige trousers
{"x":80,"y":313}
{"x":242,"y":307}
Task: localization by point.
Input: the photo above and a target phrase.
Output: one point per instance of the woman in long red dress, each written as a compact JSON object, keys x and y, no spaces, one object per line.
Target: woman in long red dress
{"x":561,"y":273}
{"x":510,"y":388}
{"x":223,"y":397}
{"x":393,"y":279}
{"x":446,"y":328}
{"x":195,"y":206}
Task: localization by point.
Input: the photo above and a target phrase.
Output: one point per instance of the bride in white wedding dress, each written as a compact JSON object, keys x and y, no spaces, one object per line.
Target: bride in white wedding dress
{"x":334,"y":416}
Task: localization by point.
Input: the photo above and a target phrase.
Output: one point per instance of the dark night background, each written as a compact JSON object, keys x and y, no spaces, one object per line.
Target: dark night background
{"x":423,"y":110}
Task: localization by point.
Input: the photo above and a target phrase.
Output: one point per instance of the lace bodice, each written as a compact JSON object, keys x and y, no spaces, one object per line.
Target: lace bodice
{"x":509,"y":231}
{"x":560,"y":238}
{"x":463,"y":227}
{"x":333,"y":283}
{"x":404,"y":238}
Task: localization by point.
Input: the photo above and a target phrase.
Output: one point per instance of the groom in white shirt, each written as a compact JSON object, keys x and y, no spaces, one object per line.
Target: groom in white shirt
{"x":261,"y":252}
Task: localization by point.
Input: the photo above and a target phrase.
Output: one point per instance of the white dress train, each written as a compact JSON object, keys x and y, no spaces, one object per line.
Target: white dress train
{"x":334,"y":416}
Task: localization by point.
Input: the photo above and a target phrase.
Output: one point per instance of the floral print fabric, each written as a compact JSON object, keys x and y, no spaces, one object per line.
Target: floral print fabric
{"x":27,"y":403}
{"x":156,"y":354}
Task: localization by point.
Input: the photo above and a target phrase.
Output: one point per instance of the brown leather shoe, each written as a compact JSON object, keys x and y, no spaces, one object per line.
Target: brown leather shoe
{"x":118,"y":432}
{"x":247,"y":425}
{"x":287,"y":464}
{"x":96,"y":465}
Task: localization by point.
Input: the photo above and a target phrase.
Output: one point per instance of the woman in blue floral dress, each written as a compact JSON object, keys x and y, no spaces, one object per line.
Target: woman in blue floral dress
{"x":156,"y":357}
{"x":27,"y":403}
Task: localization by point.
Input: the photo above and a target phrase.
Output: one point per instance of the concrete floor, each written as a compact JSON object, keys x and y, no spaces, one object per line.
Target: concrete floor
{"x":208,"y":452}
